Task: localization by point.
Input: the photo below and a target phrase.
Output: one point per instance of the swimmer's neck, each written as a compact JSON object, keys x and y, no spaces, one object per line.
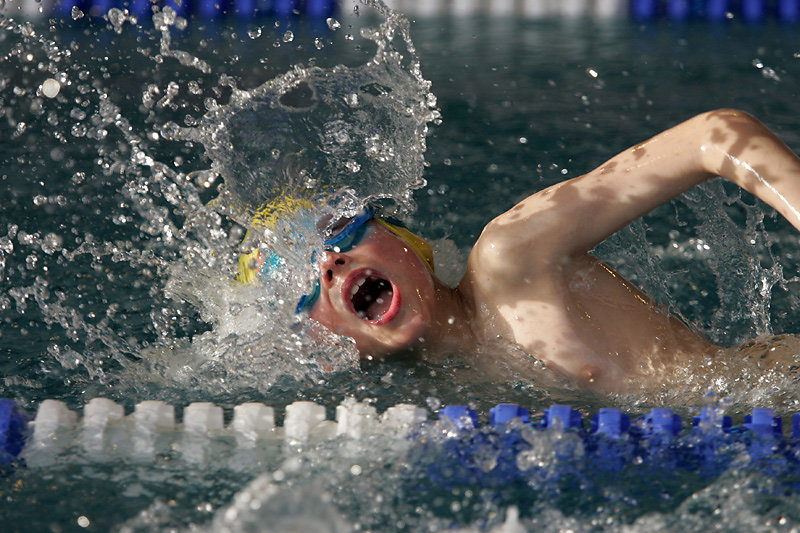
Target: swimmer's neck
{"x":451,"y":324}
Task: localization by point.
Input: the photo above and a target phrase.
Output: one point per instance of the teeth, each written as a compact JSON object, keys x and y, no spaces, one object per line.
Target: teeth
{"x":357,"y":285}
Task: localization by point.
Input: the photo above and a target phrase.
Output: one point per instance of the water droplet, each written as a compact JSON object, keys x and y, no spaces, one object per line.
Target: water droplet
{"x":6,"y":245}
{"x":51,"y":88}
{"x":170,"y":131}
{"x":78,"y":130}
{"x":288,"y":36}
{"x":117,"y":18}
{"x":204,"y":178}
{"x":21,"y":127}
{"x":51,"y":243}
{"x":254,"y":33}
{"x":378,"y":149}
{"x":333,"y":23}
{"x":76,"y":13}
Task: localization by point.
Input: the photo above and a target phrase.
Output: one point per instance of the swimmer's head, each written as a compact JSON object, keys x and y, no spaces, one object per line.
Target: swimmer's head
{"x":375,"y":281}
{"x":376,"y":285}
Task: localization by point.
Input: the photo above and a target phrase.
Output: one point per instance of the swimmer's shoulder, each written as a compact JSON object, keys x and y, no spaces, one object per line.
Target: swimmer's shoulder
{"x":525,"y":239}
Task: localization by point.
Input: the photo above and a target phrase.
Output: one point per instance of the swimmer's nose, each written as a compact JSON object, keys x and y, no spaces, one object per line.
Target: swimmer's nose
{"x":331,"y":265}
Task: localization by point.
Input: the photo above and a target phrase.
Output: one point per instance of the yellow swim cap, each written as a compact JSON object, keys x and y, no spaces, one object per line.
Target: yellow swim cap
{"x":248,"y":267}
{"x":268,"y":215}
{"x":256,"y":262}
{"x":253,"y":263}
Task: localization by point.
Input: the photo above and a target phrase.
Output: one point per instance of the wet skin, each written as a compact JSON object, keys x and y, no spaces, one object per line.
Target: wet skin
{"x":530,"y":275}
{"x":531,"y":280}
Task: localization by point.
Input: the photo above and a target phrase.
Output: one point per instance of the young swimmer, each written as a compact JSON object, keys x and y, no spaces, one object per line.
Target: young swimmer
{"x":530,"y":278}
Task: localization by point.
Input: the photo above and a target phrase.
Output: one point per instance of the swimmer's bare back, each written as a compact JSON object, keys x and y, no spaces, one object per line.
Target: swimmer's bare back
{"x":530,"y":277}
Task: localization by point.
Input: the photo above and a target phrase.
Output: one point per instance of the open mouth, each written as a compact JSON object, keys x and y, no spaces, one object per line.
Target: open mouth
{"x":372,"y":297}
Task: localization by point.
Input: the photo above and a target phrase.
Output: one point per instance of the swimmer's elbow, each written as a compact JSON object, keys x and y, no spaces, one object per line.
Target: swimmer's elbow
{"x":727,"y":138}
{"x":720,"y":121}
{"x":728,"y":112}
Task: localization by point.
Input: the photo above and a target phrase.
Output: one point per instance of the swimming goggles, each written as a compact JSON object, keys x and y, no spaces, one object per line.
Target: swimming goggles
{"x":340,"y":237}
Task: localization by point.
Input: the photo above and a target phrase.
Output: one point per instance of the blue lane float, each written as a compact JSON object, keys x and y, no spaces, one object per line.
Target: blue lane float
{"x":717,"y":9}
{"x":559,"y":448}
{"x":789,"y":10}
{"x":13,"y":429}
{"x":754,"y":10}
{"x":644,"y":10}
{"x":751,"y":11}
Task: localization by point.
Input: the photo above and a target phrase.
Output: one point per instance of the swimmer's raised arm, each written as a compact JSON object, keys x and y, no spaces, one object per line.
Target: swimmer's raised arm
{"x":572,"y":217}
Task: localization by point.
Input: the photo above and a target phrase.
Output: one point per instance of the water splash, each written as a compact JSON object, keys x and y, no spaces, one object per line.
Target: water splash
{"x":169,"y":227}
{"x":316,"y":132}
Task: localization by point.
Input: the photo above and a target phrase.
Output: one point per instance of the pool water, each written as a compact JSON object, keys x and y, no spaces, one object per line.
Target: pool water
{"x":103,"y":294}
